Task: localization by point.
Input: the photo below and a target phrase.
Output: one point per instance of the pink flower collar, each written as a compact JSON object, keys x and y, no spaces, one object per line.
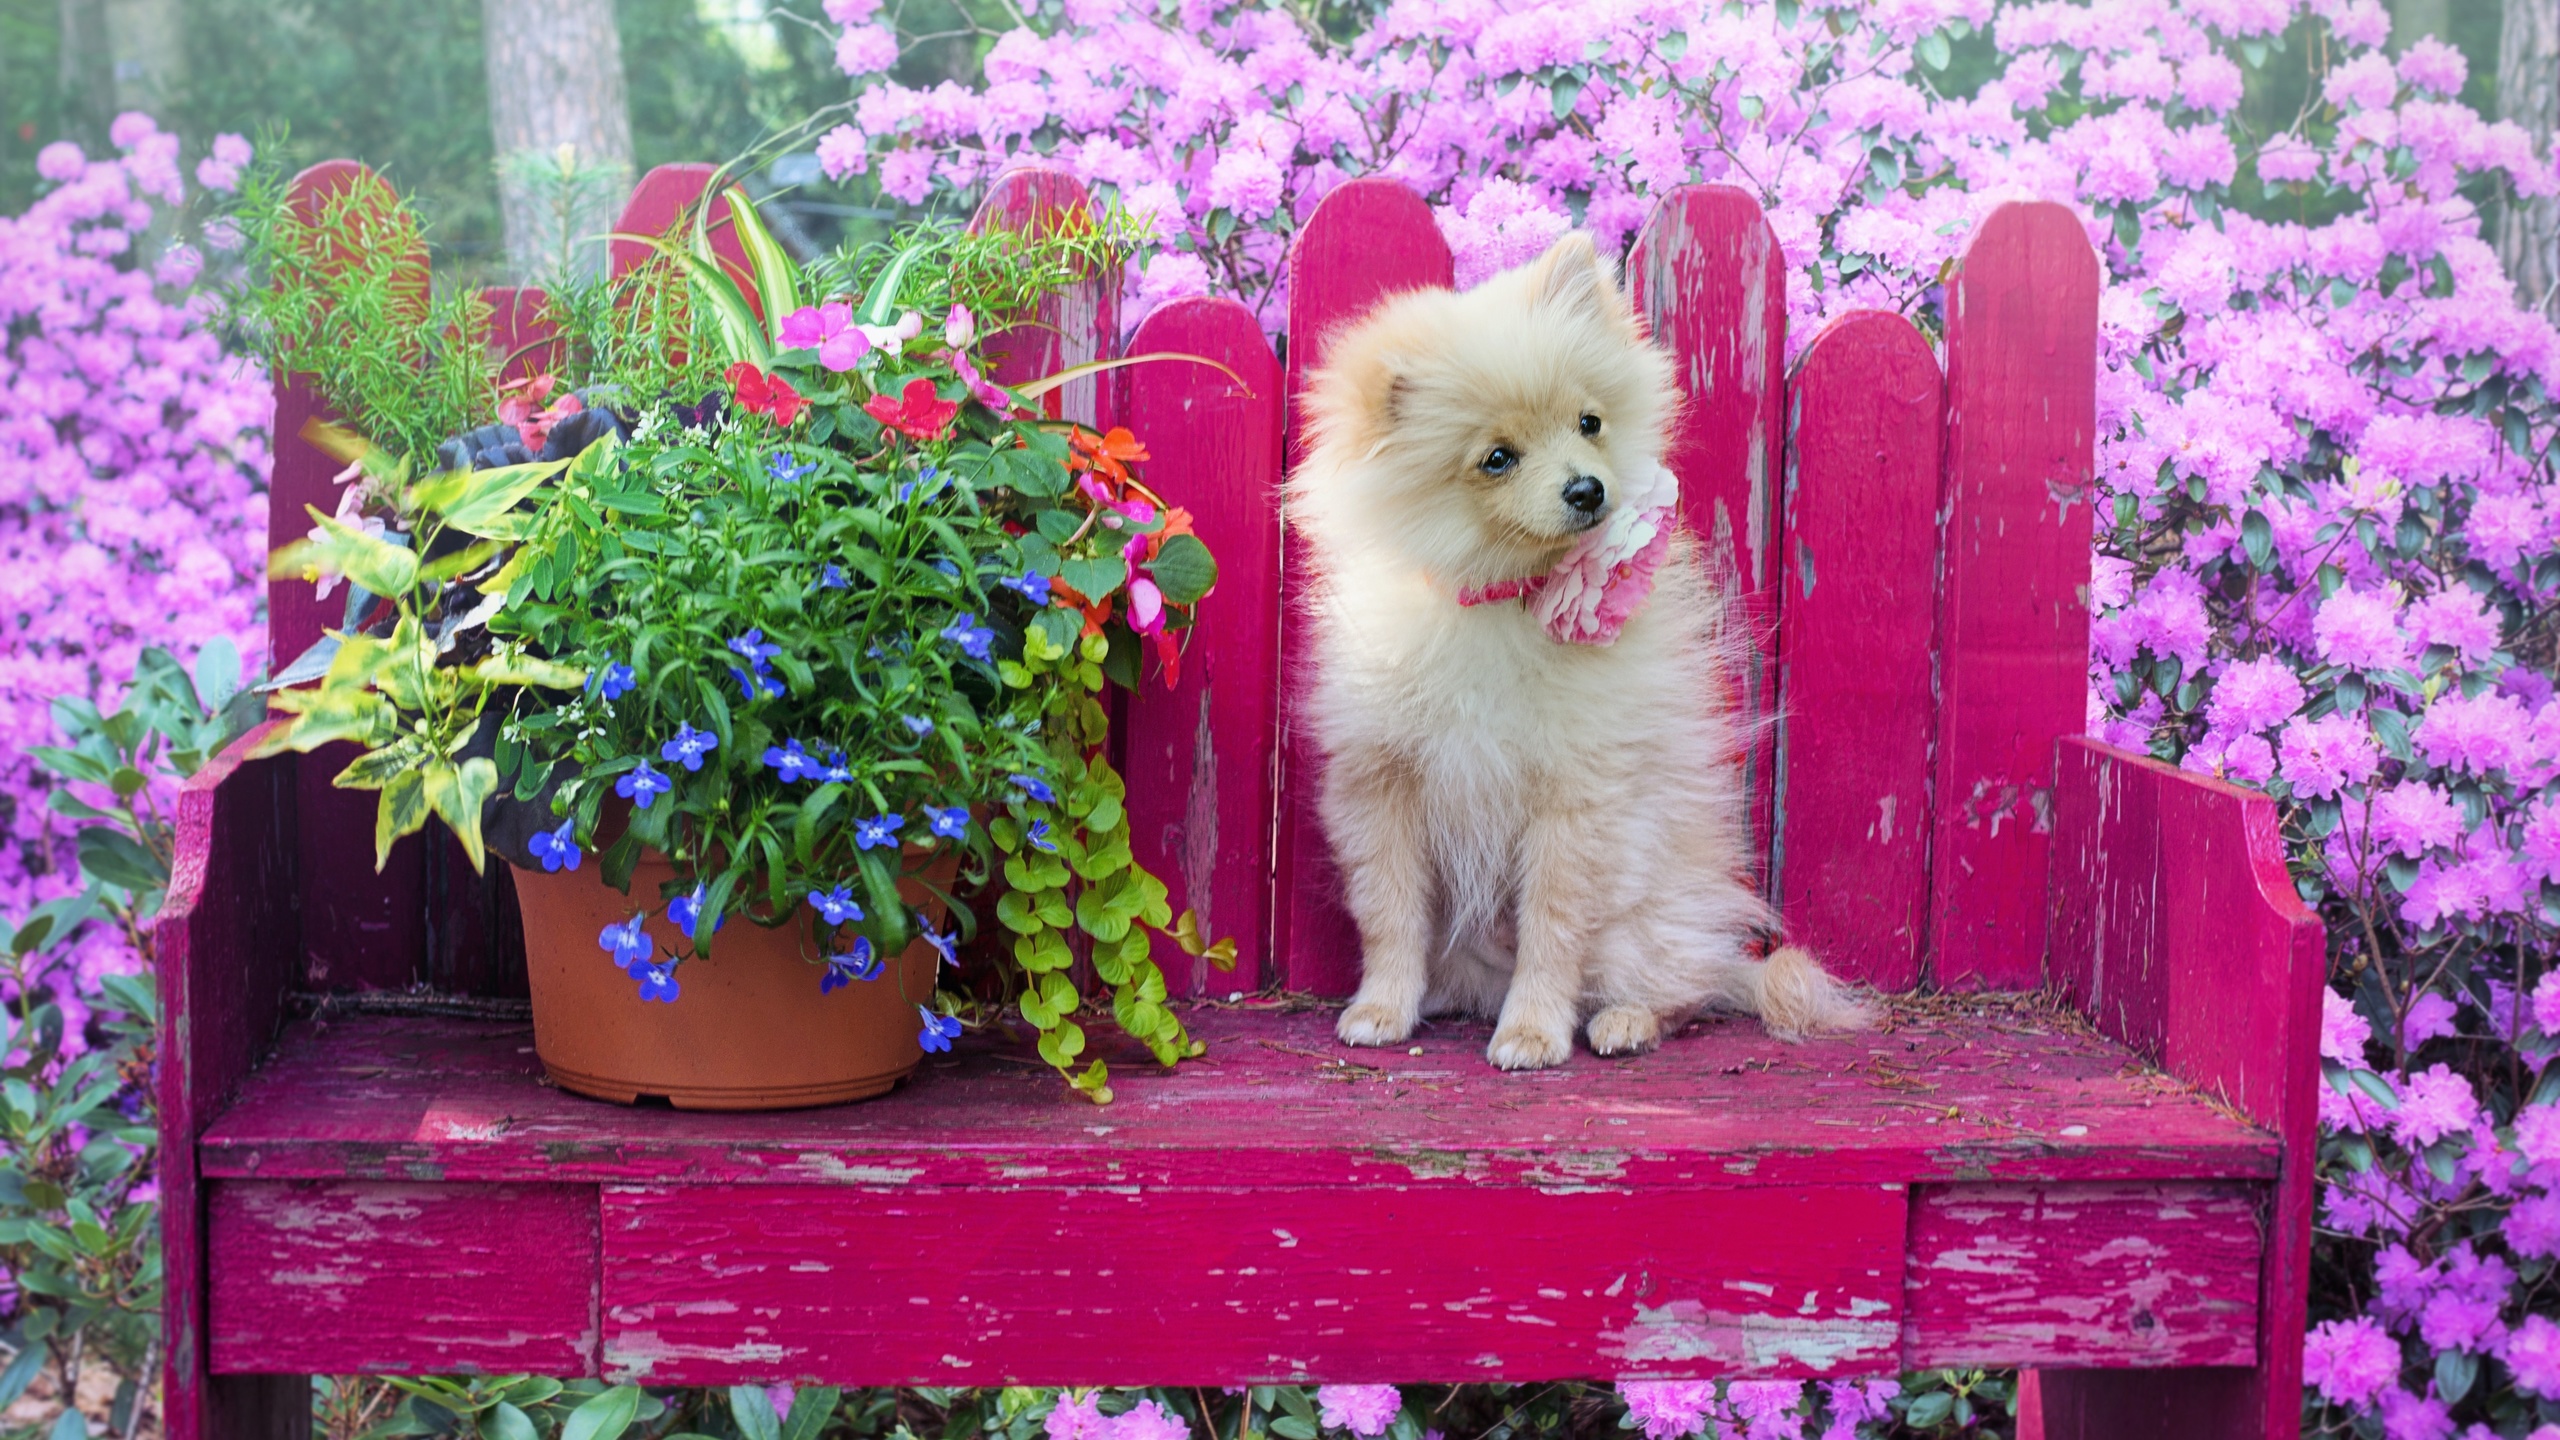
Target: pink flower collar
{"x":1587,"y":598}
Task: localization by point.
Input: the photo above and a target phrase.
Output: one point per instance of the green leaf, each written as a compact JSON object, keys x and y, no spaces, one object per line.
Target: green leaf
{"x":752,"y":1408}
{"x":811,"y":1408}
{"x":455,"y":793}
{"x":1934,"y":50}
{"x":777,"y":280}
{"x":1562,"y":94}
{"x":2257,"y":537}
{"x":22,"y":1369}
{"x":1184,"y":569}
{"x":506,"y":1422}
{"x":605,"y":1417}
{"x":71,"y":1426}
{"x":217,"y":674}
{"x":1290,"y":1427}
{"x":2456,"y":1371}
{"x":342,"y":549}
{"x":401,"y":809}
{"x":111,"y":857}
{"x":1930,"y":1409}
{"x":473,"y":501}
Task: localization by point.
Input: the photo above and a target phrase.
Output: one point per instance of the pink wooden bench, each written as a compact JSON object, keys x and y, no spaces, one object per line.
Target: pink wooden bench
{"x":2111,"y":1182}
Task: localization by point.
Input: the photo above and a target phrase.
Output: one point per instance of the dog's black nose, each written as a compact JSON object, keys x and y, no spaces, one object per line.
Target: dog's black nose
{"x":1586,"y":494}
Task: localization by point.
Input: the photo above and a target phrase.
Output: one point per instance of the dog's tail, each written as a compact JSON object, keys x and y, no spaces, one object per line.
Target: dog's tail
{"x":1797,"y":998}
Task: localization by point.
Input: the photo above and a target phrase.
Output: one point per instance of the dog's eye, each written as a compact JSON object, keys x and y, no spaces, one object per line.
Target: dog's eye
{"x":1500,"y":461}
{"x":1590,"y":424}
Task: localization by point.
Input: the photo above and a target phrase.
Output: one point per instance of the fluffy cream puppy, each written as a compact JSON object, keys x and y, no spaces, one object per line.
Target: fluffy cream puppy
{"x":1546,"y":832}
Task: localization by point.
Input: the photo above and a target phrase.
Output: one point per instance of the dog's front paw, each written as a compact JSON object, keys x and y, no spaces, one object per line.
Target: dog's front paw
{"x":1521,"y":1045}
{"x":1624,"y":1030}
{"x":1374,"y":1022}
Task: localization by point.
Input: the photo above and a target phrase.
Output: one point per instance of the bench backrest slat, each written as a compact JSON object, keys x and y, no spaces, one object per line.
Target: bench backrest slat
{"x":2013,"y":628}
{"x":1368,"y":239}
{"x":1707,"y":275}
{"x":1849,"y":864}
{"x":1199,"y":757}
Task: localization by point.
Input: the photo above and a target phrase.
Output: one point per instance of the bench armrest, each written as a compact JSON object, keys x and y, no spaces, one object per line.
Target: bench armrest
{"x":229,"y":939}
{"x":2175,"y":927}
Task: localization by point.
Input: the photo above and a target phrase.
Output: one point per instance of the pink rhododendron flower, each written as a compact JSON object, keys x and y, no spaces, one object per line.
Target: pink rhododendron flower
{"x":1364,"y":1410}
{"x":866,"y":50}
{"x":2475,"y":733}
{"x":2434,"y":1102}
{"x":2349,"y":1361}
{"x":2362,"y":630}
{"x":2410,"y":820}
{"x":1076,"y":1417}
{"x":2320,"y":757}
{"x":1667,"y":1409}
{"x":841,"y":153}
{"x":2430,"y":1015}
{"x":2457,"y":618}
{"x":2254,"y":695}
{"x":1146,"y":1420}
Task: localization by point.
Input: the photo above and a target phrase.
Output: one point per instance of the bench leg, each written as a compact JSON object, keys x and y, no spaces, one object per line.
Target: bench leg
{"x":2206,"y":1403}
{"x":235,"y":1407}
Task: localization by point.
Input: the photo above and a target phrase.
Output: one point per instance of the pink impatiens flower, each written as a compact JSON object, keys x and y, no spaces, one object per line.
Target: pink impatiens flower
{"x":828,"y":329}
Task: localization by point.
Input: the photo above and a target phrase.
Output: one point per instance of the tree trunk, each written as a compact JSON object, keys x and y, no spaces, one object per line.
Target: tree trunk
{"x":87,"y":86}
{"x":2529,"y":94}
{"x":148,"y":40}
{"x":562,"y":123}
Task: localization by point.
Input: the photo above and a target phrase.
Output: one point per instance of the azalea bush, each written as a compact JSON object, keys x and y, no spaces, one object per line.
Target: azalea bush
{"x":132,"y":477}
{"x":2328,"y":522}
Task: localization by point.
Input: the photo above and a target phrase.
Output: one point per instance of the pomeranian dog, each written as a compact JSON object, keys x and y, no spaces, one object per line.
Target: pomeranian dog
{"x":1532,"y":782}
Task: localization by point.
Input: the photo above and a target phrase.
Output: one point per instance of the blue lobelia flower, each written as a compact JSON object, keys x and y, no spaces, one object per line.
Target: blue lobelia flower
{"x":786,"y":470}
{"x":626,"y":943}
{"x":753,"y":648}
{"x":658,"y":983}
{"x":877,"y":831}
{"x":642,"y":786}
{"x":946,"y":946}
{"x":1031,"y":585}
{"x":794,"y":762}
{"x":975,"y":640}
{"x":689,"y":746}
{"x":838,"y":772}
{"x":1038,"y":838}
{"x":860,"y":963}
{"x":950,"y":823}
{"x":917,"y":723}
{"x":762,"y":682}
{"x":557,"y":849}
{"x":939,"y":1030}
{"x":836,"y":906}
{"x":613,"y":681}
{"x":947,"y":568}
{"x":1035,"y":787}
{"x":686,"y":911}
{"x":833,"y":578}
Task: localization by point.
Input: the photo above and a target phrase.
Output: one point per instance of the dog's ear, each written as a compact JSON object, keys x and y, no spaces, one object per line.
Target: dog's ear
{"x":1572,"y":275}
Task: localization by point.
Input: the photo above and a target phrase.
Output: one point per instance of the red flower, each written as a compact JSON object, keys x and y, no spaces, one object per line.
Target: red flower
{"x":917,"y":413}
{"x":762,"y":394}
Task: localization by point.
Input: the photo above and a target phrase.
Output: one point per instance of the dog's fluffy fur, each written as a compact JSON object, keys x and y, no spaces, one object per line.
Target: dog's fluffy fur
{"x":1551,"y":834}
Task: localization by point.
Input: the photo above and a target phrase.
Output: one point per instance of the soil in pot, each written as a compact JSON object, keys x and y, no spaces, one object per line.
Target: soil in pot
{"x":750,"y":1030}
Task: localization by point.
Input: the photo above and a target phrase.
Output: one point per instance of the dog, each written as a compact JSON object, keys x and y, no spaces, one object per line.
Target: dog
{"x":1532,"y":782}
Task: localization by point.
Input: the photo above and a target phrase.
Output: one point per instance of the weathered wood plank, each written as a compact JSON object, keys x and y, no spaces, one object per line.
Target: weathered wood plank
{"x":1708,"y":276}
{"x":2013,"y":628}
{"x":1220,"y":1286}
{"x":229,"y":945}
{"x":1198,"y":757}
{"x":2086,"y":1274}
{"x":1849,"y":861}
{"x":2175,"y":922}
{"x":1275,"y":1103}
{"x":1077,"y":324}
{"x":1369,"y":239}
{"x":372,"y":1278}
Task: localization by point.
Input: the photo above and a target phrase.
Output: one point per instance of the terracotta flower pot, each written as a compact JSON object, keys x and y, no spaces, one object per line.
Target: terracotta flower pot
{"x":750,"y":1031}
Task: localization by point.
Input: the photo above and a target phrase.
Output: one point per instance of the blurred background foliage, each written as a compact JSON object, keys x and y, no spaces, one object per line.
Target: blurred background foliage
{"x":401,"y":85}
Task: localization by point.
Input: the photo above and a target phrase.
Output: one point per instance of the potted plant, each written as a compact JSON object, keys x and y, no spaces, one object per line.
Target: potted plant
{"x":755,"y":641}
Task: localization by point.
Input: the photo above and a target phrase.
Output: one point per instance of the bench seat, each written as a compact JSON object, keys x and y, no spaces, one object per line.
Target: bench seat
{"x":1983,"y":1180}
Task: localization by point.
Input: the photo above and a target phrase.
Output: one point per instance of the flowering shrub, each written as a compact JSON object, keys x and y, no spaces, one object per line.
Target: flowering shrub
{"x":2329,"y":544}
{"x":132,"y":464}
